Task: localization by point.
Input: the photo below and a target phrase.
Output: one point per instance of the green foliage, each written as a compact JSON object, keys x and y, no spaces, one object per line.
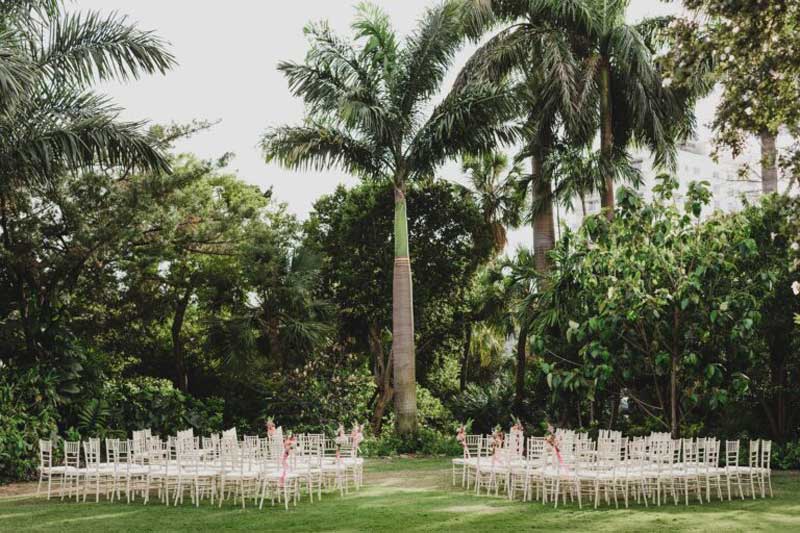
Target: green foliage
{"x":28,"y":412}
{"x":329,"y":389}
{"x":145,"y":402}
{"x":426,"y":441}
{"x":751,"y":47}
{"x":657,"y":293}
{"x":486,"y":405}
{"x":786,"y":456}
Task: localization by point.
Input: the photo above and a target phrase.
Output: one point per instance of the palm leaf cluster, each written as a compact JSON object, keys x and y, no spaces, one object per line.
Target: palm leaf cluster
{"x":50,"y":119}
{"x":586,"y":74}
{"x":369,"y":100}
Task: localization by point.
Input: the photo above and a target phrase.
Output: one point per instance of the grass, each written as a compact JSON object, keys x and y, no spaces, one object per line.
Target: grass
{"x":412,"y":495}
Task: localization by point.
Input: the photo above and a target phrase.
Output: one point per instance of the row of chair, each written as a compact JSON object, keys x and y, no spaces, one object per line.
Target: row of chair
{"x":651,"y":469}
{"x":276,"y":467}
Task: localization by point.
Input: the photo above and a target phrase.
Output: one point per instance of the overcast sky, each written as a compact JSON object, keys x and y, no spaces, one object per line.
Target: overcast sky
{"x":227,"y":53}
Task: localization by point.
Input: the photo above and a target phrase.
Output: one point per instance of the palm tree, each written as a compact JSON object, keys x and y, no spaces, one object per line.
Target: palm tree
{"x":496,"y":195}
{"x":51,"y":123}
{"x":536,"y":54}
{"x":618,"y":83}
{"x":635,"y":105}
{"x":50,"y":120}
{"x":366,"y":112}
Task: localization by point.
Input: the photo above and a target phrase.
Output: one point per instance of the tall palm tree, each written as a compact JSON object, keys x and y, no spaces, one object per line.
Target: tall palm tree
{"x":536,"y":54}
{"x":50,"y":120}
{"x":495,"y":193}
{"x":618,"y":81}
{"x":635,"y":106}
{"x":366,"y":112}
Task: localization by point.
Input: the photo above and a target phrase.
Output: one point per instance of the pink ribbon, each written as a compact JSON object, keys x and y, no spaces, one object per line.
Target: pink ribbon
{"x":288,"y":444}
{"x":461,"y":436}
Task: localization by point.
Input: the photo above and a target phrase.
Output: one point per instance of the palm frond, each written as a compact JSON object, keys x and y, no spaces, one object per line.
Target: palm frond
{"x":317,"y":147}
{"x":65,"y":130}
{"x":372,"y":24}
{"x":426,"y":56}
{"x":472,"y":120}
{"x":81,"y":48}
{"x":16,"y":72}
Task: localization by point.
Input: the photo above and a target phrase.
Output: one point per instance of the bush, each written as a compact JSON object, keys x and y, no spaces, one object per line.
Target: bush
{"x":144,"y":402}
{"x":431,"y":413}
{"x":786,"y":456}
{"x":27,"y":413}
{"x":486,"y":405}
{"x":425,"y":441}
{"x":325,"y":392}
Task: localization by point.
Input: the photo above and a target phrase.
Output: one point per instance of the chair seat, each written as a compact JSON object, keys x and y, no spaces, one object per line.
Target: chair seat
{"x":58,"y":469}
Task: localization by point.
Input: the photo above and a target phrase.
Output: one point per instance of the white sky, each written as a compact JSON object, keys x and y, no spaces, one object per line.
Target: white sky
{"x":227,"y":54}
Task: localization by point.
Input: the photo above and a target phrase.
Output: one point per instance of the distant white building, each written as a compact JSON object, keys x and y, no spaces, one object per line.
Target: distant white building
{"x":694,"y":163}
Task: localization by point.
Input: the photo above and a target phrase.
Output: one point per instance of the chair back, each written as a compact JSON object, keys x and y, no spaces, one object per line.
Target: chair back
{"x":45,"y":453}
{"x":766,"y":454}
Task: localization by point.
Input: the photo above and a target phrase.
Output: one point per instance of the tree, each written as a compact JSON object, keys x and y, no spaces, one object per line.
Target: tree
{"x":366,"y":113}
{"x":52,"y":124}
{"x":51,"y":121}
{"x":535,"y":54}
{"x":348,"y":229}
{"x":193,"y":242}
{"x":654,"y":304}
{"x":495,"y":194}
{"x":752,"y":47}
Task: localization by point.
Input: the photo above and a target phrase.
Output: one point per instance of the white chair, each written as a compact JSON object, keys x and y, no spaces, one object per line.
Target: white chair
{"x":72,"y":472}
{"x":48,"y":472}
{"x":764,"y":468}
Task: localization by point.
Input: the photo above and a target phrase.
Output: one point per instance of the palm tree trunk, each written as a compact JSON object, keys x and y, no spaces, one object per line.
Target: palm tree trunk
{"x":544,"y":233}
{"x":606,"y":139}
{"x":181,"y":375}
{"x":522,"y":356}
{"x":465,"y":357}
{"x":769,"y":167}
{"x":405,"y":386}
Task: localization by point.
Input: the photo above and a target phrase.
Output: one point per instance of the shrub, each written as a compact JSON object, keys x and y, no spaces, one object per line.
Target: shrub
{"x":486,"y":405}
{"x":786,"y":456}
{"x":431,"y":413}
{"x":325,"y":392}
{"x":145,"y":402}
{"x":27,"y":413}
{"x":426,"y":441}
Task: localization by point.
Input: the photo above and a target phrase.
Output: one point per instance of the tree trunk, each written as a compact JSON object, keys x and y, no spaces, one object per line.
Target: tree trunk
{"x":522,"y":356}
{"x":382,"y":375}
{"x":465,"y":357}
{"x":405,"y":386}
{"x":769,"y":163}
{"x":615,"y":399}
{"x":181,"y":377}
{"x":544,"y":234}
{"x":673,"y":386}
{"x":606,"y":139}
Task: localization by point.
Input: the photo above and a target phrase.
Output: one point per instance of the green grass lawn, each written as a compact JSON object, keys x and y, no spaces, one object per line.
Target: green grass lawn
{"x":410,"y":495}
